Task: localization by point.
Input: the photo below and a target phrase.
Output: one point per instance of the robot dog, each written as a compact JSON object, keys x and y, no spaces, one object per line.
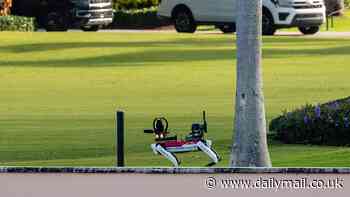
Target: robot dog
{"x":166,"y":145}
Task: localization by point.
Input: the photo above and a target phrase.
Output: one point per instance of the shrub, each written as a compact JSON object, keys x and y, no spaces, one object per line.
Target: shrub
{"x":334,"y":5}
{"x":142,"y":18}
{"x":326,"y":124}
{"x":134,"y":4}
{"x":17,"y":23}
{"x":347,"y":3}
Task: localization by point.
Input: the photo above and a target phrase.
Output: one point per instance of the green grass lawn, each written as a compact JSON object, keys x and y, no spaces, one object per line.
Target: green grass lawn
{"x":59,"y":92}
{"x":341,"y":23}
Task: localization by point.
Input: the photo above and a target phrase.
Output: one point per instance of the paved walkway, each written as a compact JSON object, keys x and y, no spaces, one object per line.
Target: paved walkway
{"x":170,"y":31}
{"x":279,"y":33}
{"x":320,"y":34}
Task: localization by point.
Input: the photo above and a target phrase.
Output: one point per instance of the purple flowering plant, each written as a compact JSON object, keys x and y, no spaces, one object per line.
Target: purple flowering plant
{"x":323,"y":124}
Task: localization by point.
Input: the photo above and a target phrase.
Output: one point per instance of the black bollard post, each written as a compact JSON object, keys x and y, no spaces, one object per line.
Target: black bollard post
{"x":120,"y":138}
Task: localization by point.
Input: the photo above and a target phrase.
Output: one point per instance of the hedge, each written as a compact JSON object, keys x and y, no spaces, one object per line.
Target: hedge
{"x":322,"y":124}
{"x":134,"y":4}
{"x":334,"y":6}
{"x":138,"y":19}
{"x":17,"y":23}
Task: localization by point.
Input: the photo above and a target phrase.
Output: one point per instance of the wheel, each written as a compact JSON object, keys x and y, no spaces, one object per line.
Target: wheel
{"x":184,"y":22}
{"x":90,"y":28}
{"x":309,"y":30}
{"x":268,"y":25}
{"x":227,"y":28}
{"x":56,"y":22}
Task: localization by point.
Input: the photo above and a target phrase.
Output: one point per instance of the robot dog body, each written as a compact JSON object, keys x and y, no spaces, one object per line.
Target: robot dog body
{"x":166,"y":145}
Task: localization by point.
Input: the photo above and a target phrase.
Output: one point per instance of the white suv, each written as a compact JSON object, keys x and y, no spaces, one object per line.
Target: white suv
{"x":307,"y":15}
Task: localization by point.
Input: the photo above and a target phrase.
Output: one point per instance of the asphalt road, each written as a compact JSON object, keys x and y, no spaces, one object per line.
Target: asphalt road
{"x":279,"y":33}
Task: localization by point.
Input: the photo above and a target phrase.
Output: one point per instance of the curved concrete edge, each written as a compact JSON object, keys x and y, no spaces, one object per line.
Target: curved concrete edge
{"x":110,"y":170}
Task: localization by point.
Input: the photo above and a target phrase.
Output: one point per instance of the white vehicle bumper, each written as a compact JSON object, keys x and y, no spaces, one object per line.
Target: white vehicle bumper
{"x":300,"y":17}
{"x":96,"y":16}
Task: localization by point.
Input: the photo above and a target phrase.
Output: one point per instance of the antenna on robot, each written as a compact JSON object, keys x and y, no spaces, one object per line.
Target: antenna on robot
{"x":205,"y":124}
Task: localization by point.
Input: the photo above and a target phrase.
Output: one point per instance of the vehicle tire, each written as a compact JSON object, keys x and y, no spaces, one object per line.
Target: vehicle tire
{"x":268,"y":25}
{"x":309,"y":30}
{"x":184,"y":21}
{"x":227,"y":29}
{"x":56,"y":22}
{"x":90,"y":28}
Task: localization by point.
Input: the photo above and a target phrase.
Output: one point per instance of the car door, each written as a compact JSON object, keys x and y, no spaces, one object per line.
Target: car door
{"x":205,"y":10}
{"x":228,"y":10}
{"x":213,"y":10}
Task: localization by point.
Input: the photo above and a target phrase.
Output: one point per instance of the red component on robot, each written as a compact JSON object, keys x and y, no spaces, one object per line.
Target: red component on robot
{"x":167,"y":145}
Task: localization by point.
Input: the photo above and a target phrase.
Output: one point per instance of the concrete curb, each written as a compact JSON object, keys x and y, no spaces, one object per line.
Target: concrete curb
{"x":111,"y":170}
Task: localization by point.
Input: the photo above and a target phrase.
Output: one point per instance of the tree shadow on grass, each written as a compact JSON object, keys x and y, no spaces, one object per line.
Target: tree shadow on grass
{"x":139,"y":58}
{"x":131,"y":59}
{"x":301,"y":39}
{"x":183,"y":42}
{"x":38,"y":47}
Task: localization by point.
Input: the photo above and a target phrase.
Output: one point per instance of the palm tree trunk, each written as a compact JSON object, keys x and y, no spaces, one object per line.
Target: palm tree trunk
{"x":249,"y":147}
{"x":334,"y":7}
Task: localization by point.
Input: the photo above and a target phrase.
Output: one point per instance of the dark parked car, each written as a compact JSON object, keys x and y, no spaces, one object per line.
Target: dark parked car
{"x":59,"y":15}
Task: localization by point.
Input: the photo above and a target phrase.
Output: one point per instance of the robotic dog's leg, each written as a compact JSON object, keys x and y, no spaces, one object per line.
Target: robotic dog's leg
{"x":157,"y":148}
{"x":210,"y":152}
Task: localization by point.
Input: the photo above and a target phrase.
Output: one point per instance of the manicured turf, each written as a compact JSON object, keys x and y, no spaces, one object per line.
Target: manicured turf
{"x":341,"y":23}
{"x":59,"y":91}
